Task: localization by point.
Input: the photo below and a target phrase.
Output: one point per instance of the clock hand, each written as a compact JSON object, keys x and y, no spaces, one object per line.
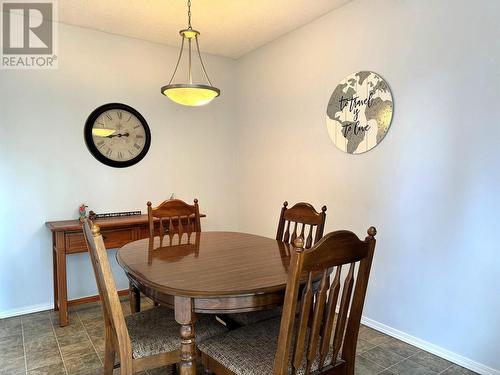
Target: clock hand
{"x":101,"y":132}
{"x":118,"y":135}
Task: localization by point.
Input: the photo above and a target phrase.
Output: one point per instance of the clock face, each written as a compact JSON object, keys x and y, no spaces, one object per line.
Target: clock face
{"x":117,"y":135}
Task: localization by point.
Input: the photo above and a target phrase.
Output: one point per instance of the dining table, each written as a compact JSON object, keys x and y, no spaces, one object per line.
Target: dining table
{"x":207,"y":273}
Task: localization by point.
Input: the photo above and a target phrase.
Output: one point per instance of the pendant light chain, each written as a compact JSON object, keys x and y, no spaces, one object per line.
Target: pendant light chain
{"x":189,"y":42}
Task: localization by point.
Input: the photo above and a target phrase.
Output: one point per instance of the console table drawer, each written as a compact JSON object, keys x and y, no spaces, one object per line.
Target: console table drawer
{"x":113,"y":238}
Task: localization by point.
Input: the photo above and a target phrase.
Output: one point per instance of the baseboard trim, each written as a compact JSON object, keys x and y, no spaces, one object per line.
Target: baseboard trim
{"x":79,"y":301}
{"x":50,"y":306}
{"x":26,"y":310}
{"x":431,"y":348}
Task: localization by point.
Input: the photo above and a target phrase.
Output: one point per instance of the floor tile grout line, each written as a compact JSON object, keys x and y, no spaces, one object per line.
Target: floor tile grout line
{"x":379,"y":365}
{"x":24,"y":347}
{"x":375,"y":363}
{"x":381,"y":371}
{"x":88,"y":336}
{"x":57,"y":342}
{"x":376,"y":346}
{"x":404,"y":359}
{"x":441,"y":372}
{"x":410,"y":356}
{"x":397,"y":363}
{"x":386,"y":368}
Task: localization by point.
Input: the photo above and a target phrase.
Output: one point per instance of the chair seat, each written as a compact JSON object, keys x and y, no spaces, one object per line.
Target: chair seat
{"x":155,"y":331}
{"x":243,"y":319}
{"x":250,"y":350}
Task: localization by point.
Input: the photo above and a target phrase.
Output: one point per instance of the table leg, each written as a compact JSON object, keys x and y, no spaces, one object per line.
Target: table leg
{"x":61,"y":280}
{"x":185,"y":317}
{"x":135,"y":299}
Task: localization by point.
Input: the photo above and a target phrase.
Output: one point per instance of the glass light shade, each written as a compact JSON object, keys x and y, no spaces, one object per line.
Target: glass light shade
{"x":190,"y":94}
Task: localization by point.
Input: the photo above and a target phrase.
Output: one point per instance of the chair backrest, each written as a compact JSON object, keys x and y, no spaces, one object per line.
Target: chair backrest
{"x":307,"y":339}
{"x":114,"y":320}
{"x":301,"y":215}
{"x":175,"y":217}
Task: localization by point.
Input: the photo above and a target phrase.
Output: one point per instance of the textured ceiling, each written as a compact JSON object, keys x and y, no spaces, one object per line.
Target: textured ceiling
{"x":228,"y":27}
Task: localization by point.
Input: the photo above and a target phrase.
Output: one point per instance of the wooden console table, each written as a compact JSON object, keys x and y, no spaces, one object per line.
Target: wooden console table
{"x":67,"y":238}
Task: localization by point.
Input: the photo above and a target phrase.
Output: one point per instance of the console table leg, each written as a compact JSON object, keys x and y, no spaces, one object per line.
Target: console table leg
{"x":61,"y":280}
{"x":54,"y":277}
{"x":185,"y":317}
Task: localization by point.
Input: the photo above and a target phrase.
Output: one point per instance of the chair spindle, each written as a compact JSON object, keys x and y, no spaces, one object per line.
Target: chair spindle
{"x":344,"y":307}
{"x":294,"y":234}
{"x":307,"y":299}
{"x":286,"y":237}
{"x":329,"y":317}
{"x":318,"y":319}
{"x":309,"y":237}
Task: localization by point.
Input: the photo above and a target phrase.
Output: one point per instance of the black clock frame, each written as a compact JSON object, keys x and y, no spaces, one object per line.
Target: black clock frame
{"x":89,"y":141}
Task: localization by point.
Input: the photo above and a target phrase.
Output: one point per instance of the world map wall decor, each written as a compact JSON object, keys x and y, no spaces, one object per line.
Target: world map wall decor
{"x":359,"y":112}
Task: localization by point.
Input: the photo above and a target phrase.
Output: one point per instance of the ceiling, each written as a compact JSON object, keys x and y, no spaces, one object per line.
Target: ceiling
{"x":228,"y":28}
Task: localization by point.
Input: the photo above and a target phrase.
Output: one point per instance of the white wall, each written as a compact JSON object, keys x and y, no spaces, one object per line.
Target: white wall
{"x":46,"y":170}
{"x":431,"y":187}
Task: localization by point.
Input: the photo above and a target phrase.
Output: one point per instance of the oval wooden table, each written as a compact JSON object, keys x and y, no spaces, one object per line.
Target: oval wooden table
{"x":209,"y":272}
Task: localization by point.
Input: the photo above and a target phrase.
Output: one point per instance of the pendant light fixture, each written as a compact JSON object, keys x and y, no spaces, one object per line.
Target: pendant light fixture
{"x":190,"y":94}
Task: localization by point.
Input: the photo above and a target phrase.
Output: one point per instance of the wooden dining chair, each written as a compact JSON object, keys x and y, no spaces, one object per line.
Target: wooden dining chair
{"x":317,"y":340}
{"x":144,"y":340}
{"x":173,"y":218}
{"x":301,"y":220}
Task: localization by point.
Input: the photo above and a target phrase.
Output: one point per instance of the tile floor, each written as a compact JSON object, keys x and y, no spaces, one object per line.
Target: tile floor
{"x":35,"y":344}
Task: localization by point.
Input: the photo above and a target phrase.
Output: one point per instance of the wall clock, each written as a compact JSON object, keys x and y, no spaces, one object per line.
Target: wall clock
{"x":359,"y":112}
{"x":117,"y":135}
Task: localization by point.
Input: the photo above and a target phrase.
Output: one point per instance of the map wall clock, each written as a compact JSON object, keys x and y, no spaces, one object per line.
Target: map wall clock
{"x":117,"y":135}
{"x":359,"y":112}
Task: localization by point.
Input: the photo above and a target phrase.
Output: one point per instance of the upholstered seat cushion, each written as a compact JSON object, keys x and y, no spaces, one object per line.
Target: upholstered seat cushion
{"x":155,"y":331}
{"x":243,"y":319}
{"x":249,"y":350}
